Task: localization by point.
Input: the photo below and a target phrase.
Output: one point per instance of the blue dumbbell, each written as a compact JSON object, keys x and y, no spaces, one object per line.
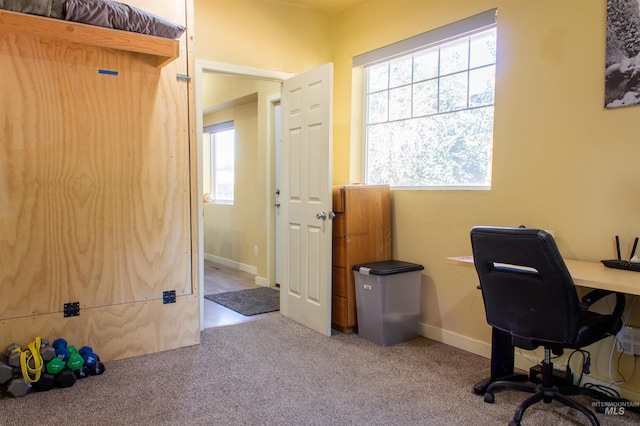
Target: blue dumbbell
{"x":91,"y":360}
{"x":60,"y":345}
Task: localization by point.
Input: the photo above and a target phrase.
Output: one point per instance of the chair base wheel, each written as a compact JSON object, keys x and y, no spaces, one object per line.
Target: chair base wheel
{"x":489,"y":398}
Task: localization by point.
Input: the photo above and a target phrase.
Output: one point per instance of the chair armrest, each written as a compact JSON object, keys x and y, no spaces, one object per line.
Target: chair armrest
{"x":592,"y":297}
{"x":595,"y":295}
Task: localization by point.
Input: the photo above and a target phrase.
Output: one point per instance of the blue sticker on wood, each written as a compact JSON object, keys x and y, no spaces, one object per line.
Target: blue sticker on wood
{"x":108,"y":72}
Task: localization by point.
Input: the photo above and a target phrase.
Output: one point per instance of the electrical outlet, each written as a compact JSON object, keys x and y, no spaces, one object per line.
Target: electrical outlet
{"x":629,"y":340}
{"x":255,"y":250}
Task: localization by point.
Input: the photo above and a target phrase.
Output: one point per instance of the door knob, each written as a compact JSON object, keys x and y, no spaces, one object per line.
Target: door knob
{"x":323,"y":215}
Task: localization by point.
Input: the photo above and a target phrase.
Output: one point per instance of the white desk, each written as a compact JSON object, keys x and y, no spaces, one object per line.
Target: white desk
{"x":587,"y":274}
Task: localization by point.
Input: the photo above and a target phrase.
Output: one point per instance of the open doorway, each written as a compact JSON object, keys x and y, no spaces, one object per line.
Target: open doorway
{"x":241,"y":235}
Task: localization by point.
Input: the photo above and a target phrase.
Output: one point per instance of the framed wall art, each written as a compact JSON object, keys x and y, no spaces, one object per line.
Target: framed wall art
{"x":622,"y":75}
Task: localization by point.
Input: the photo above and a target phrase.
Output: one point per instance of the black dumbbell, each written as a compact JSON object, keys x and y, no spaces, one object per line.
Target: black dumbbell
{"x":46,"y":382}
{"x":65,"y":379}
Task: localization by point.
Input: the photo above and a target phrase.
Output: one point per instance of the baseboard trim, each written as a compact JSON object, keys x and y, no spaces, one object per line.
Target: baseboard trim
{"x":453,"y":339}
{"x":484,"y":349}
{"x":261,"y":281}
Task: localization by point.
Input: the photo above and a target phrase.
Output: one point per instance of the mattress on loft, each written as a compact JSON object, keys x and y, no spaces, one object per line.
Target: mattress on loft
{"x":101,"y":13}
{"x":120,"y":16}
{"x":50,"y":8}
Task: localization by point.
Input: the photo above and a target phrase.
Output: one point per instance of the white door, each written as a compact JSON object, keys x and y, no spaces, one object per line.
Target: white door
{"x":305,"y":197}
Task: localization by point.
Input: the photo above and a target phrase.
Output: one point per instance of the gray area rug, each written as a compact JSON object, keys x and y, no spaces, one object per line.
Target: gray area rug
{"x":249,"y":302}
{"x":272,"y":371}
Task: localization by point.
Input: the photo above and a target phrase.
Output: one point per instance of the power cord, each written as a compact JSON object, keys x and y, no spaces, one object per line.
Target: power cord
{"x":586,"y":363}
{"x":613,"y":346}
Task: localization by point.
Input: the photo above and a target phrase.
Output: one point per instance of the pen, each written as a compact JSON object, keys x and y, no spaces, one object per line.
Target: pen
{"x":633,"y":250}
{"x":618,"y":247}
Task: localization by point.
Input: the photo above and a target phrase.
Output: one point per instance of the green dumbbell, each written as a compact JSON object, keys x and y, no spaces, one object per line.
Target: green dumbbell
{"x":75,"y":361}
{"x":55,"y":366}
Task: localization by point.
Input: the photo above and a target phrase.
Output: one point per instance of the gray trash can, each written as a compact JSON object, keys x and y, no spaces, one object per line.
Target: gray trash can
{"x":388,"y":301}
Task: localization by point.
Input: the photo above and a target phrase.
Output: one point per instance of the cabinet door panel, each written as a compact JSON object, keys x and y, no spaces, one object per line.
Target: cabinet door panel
{"x":338,"y":252}
{"x":339,"y":225}
{"x":338,"y":199}
{"x":339,"y":312}
{"x":340,"y":281}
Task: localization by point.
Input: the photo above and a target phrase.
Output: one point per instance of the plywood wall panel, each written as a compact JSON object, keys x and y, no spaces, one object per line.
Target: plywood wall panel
{"x":94,"y":176}
{"x":114,"y":332}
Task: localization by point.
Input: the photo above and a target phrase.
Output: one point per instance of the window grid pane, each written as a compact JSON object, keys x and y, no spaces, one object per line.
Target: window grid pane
{"x":435,"y":127}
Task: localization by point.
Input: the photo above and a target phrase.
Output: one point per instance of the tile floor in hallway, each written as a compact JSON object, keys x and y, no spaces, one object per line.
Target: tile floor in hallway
{"x":220,"y":279}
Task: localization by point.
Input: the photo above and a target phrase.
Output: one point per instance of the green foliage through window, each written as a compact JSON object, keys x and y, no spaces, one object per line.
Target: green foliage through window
{"x":429,"y":115}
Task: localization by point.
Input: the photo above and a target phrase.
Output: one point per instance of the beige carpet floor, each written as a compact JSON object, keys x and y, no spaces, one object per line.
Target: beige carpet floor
{"x":273,"y":371}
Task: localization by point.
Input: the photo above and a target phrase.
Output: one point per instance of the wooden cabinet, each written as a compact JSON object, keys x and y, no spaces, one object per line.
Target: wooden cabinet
{"x":361,"y":234}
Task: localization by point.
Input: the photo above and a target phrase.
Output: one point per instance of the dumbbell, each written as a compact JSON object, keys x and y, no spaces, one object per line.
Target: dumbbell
{"x":47,"y":352}
{"x":6,"y":373}
{"x":18,"y":387}
{"x":63,"y":377}
{"x":10,"y":373}
{"x":60,"y":346}
{"x":13,"y":355}
{"x":75,"y":363}
{"x":46,"y":382}
{"x":92,"y":361}
{"x":54,"y":366}
{"x":10,"y":349}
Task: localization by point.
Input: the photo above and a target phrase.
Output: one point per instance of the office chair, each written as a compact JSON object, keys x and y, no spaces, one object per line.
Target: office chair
{"x":528,"y":293}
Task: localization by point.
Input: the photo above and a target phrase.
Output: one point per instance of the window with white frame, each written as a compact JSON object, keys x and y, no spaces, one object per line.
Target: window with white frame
{"x":429,"y":105}
{"x":219,"y":141}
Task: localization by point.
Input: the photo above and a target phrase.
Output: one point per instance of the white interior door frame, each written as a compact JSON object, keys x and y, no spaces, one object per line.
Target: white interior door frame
{"x":274,"y":122}
{"x":236,"y":70}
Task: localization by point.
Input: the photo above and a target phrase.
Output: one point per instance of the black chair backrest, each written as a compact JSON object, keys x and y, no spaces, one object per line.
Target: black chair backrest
{"x":526,"y":287}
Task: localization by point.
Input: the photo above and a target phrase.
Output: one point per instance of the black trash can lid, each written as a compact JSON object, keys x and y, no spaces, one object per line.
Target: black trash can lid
{"x":387,"y":267}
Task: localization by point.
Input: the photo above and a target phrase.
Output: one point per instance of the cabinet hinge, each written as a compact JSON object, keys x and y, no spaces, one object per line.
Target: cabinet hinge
{"x":71,"y":309}
{"x":168,"y":297}
{"x":183,"y":77}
